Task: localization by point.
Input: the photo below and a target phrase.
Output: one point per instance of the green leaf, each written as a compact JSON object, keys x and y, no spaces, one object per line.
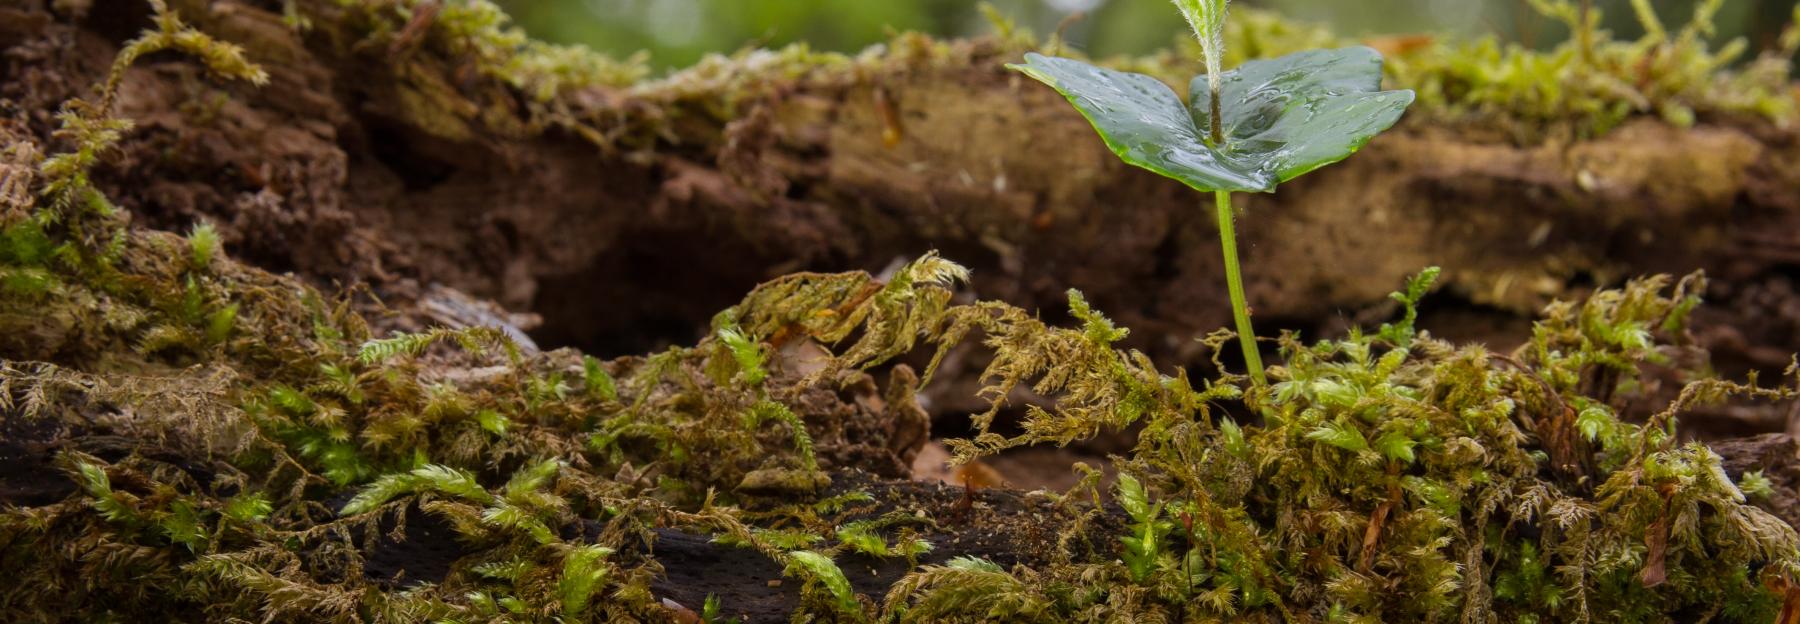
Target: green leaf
{"x":969,"y":562}
{"x":712,"y":612}
{"x":584,"y":571}
{"x":861,"y":537}
{"x":402,"y":343}
{"x":1444,"y":499}
{"x":110,"y":505}
{"x":1282,"y":117}
{"x":182,"y":525}
{"x":1396,"y":445}
{"x":1303,"y":111}
{"x":505,"y":515}
{"x":1096,"y":326}
{"x":434,"y":478}
{"x":249,"y":507}
{"x":94,"y":480}
{"x":1145,"y":123}
{"x":1347,"y":438}
{"x":821,"y":568}
{"x":1755,"y":484}
{"x":1134,"y":498}
{"x":1594,"y":421}
{"x":1144,"y":547}
{"x":451,"y":481}
{"x":492,"y":421}
{"x":293,"y":402}
{"x":911,"y":548}
{"x":767,"y":410}
{"x":598,"y":384}
{"x":748,"y":353}
{"x":505,"y":570}
{"x":1403,"y":332}
{"x":220,"y":324}
{"x":1234,"y":438}
{"x":203,"y":245}
{"x":531,"y":478}
{"x":840,"y":502}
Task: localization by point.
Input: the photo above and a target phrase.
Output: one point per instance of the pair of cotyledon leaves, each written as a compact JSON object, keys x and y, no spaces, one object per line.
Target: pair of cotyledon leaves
{"x":1282,"y":117}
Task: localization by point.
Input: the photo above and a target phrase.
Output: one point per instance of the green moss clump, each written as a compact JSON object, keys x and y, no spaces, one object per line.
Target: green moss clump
{"x":1586,"y":85}
{"x":1597,"y":81}
{"x":1391,"y":477}
{"x":1385,"y":476}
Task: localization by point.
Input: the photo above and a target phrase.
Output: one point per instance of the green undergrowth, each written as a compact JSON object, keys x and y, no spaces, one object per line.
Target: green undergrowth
{"x":1589,"y":84}
{"x":1675,"y":72}
{"x":190,"y":439}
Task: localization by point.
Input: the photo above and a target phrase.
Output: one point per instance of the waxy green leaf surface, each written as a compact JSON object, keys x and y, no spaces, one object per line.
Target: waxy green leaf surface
{"x":1282,"y":117}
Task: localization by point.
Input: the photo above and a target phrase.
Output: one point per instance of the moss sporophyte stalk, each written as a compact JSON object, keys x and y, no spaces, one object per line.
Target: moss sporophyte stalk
{"x":1245,"y":130}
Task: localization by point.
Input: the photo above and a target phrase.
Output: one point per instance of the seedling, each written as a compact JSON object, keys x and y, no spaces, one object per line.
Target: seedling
{"x":1246,"y":130}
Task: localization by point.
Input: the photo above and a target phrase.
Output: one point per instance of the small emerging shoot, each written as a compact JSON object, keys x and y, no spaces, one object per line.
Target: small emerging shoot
{"x":1244,"y":130}
{"x":203,"y":244}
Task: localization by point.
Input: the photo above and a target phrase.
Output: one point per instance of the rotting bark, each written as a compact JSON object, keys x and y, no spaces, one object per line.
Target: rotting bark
{"x":396,"y":165}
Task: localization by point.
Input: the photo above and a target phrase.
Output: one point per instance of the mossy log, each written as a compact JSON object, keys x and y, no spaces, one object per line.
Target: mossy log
{"x":391,"y":150}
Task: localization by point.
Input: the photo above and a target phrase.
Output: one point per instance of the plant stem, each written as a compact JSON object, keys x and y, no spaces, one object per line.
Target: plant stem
{"x":1240,"y":309}
{"x":1218,"y":124}
{"x":1585,"y":32}
{"x":1234,"y":279}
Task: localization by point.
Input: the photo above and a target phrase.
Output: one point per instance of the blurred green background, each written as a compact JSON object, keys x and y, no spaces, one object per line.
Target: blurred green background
{"x":678,"y":32}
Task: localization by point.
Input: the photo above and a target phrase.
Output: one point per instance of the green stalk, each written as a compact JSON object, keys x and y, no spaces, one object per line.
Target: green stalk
{"x":1240,"y":309}
{"x":1234,"y":278}
{"x":1585,"y":32}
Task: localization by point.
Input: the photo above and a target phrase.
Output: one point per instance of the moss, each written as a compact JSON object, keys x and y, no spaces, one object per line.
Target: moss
{"x":1586,"y":85}
{"x":264,"y":438}
{"x":1676,"y":75}
{"x":460,"y":70}
{"x":1373,"y":465}
{"x":1380,"y":469}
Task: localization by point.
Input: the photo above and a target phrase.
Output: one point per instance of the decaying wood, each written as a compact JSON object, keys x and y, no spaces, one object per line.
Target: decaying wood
{"x":406,"y":169}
